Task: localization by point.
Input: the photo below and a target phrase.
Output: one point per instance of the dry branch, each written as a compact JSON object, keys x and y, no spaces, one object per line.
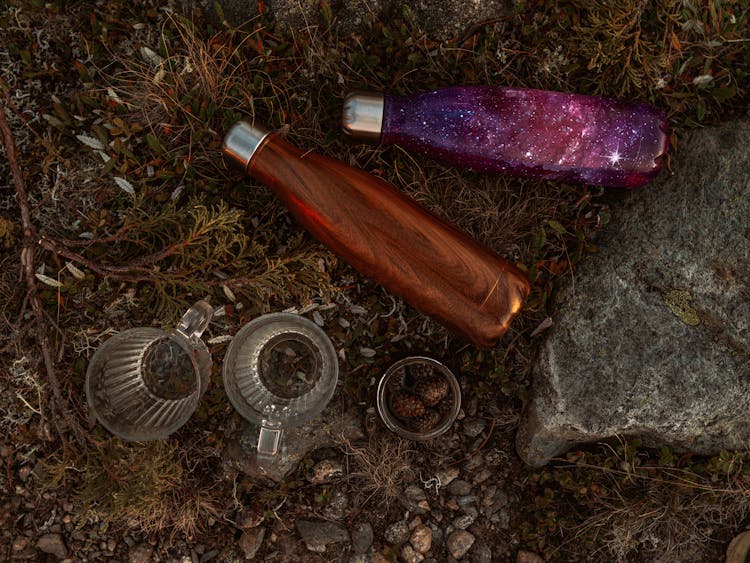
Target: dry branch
{"x":27,"y":261}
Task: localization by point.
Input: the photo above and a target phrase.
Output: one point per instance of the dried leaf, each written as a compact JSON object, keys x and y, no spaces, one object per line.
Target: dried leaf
{"x":77,"y":274}
{"x":124,"y":185}
{"x":48,"y":280}
{"x":91,"y":142}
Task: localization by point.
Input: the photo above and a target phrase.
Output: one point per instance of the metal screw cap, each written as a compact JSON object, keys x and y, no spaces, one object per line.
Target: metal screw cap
{"x":241,"y":142}
{"x":363,"y":115}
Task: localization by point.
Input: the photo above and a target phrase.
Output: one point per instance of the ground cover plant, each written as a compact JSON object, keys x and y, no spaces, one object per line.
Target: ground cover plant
{"x":116,"y":210}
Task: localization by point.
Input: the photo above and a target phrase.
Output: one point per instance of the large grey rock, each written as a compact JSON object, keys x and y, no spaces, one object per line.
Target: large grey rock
{"x":447,"y":18}
{"x":653,"y":339}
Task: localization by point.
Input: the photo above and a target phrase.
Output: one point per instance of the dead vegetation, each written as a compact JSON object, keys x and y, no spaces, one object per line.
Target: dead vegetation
{"x":379,"y":470}
{"x":138,"y":217}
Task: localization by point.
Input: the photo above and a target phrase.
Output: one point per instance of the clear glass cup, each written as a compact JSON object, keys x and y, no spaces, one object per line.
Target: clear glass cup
{"x":144,"y":383}
{"x":280,"y":371}
{"x":418,"y":398}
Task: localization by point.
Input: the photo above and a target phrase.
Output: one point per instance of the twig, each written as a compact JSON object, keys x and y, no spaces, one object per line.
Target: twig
{"x":124,"y":273}
{"x":27,"y":261}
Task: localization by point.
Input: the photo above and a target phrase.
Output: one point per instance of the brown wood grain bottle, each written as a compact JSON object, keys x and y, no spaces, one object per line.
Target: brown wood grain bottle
{"x":387,"y":236}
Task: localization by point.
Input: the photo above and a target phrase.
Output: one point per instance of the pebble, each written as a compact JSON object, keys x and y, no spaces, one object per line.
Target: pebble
{"x":24,"y":472}
{"x":337,"y":507}
{"x":318,"y":534}
{"x":415,"y":500}
{"x":496,"y":457}
{"x":482,"y":553}
{"x":482,"y":476}
{"x":410,"y":555}
{"x":528,"y":557}
{"x":398,"y":532}
{"x":473,"y":427}
{"x":140,"y":553}
{"x":362,"y":537}
{"x":464,"y":521}
{"x":421,"y":538}
{"x":20,"y":543}
{"x":325,"y":471}
{"x":459,"y":487}
{"x":446,"y":476}
{"x":53,"y":544}
{"x":466,"y":500}
{"x":459,"y":542}
{"x":488,"y":495}
{"x":251,"y":540}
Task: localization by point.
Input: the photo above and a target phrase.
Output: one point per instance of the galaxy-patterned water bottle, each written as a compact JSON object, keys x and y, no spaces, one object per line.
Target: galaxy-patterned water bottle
{"x":520,"y":131}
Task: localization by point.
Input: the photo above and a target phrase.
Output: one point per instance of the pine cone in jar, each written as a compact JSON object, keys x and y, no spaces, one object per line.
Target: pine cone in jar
{"x":419,"y":372}
{"x":406,"y":405}
{"x":426,"y":422}
{"x":432,"y":390}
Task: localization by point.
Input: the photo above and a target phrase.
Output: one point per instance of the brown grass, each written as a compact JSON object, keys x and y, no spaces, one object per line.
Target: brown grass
{"x":379,"y":469}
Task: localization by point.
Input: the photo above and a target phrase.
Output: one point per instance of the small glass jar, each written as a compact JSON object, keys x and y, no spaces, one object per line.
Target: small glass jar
{"x":418,"y":398}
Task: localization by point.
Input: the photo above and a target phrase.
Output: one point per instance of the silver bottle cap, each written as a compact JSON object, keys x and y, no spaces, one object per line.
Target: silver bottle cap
{"x":241,"y":142}
{"x":363,"y":115}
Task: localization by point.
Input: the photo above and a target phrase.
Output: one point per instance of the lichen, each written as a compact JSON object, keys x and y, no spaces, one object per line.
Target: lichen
{"x":678,"y":302}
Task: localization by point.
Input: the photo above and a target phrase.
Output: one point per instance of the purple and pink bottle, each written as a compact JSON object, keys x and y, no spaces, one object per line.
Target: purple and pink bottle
{"x":520,"y":131}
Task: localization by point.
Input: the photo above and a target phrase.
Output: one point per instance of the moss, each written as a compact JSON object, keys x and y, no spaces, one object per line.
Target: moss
{"x":678,"y":302}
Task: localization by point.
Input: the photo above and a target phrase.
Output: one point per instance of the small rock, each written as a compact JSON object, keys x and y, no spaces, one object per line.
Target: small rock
{"x":481,"y":553}
{"x":464,"y":521}
{"x":415,"y":500}
{"x":336,"y":509}
{"x":20,"y":543}
{"x":208,"y":556}
{"x":446,"y":476}
{"x":410,"y":555}
{"x":528,"y":557}
{"x":421,"y":538}
{"x":54,"y":545}
{"x":24,"y":472}
{"x":473,"y":427}
{"x":317,"y":535}
{"x":496,"y":457}
{"x":482,"y":476}
{"x":451,"y":504}
{"x":459,"y":487}
{"x":470,"y":510}
{"x":459,"y":543}
{"x":415,"y":493}
{"x":501,"y":500}
{"x":251,"y":540}
{"x":466,"y":500}
{"x":140,"y":553}
{"x":398,"y":532}
{"x":362,"y":537}
{"x":325,"y":471}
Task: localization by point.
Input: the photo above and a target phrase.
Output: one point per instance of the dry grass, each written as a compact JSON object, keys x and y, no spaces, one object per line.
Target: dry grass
{"x":379,"y":470}
{"x":147,"y":487}
{"x":664,"y":513}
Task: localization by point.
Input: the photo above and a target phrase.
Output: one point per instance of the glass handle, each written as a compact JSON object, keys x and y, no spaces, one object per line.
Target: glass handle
{"x":269,"y":440}
{"x":195,"y":320}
